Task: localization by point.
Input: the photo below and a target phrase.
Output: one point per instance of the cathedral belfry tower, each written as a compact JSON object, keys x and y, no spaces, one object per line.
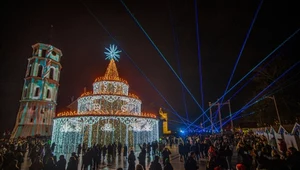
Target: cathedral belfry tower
{"x":38,"y":100}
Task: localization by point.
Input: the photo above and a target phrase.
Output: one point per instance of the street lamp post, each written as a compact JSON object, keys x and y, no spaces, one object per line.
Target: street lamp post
{"x":275,"y":104}
{"x":220,"y":117}
{"x":231,"y":121}
{"x":211,"y":121}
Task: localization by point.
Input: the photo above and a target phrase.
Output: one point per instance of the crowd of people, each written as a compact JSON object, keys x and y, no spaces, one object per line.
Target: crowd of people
{"x":215,"y":152}
{"x":253,"y":152}
{"x":39,"y":152}
{"x":256,"y":151}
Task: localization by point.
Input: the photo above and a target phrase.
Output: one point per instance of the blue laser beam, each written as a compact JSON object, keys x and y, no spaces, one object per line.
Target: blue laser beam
{"x":242,"y":49}
{"x":163,"y":57}
{"x":279,"y":46}
{"x":176,"y":44}
{"x":241,"y":88}
{"x":183,"y":119}
{"x":199,"y":53}
{"x":243,"y":108}
{"x":270,"y":94}
{"x":100,"y":23}
{"x":264,"y":96}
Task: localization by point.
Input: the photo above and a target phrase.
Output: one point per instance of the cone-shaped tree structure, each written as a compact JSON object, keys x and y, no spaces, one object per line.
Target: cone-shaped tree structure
{"x":112,"y":71}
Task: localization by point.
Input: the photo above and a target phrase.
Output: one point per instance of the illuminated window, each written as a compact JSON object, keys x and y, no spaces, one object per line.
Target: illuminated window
{"x":48,"y":94}
{"x":25,"y":93}
{"x":51,"y":73}
{"x":35,"y":52}
{"x":40,"y":71}
{"x":44,"y":53}
{"x":29,"y":70}
{"x":37,"y":92}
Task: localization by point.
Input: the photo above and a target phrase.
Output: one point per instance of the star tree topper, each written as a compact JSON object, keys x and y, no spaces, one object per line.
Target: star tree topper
{"x":112,"y":53}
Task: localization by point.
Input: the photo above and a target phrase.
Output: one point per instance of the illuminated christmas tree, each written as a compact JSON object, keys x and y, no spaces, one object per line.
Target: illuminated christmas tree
{"x":105,"y":115}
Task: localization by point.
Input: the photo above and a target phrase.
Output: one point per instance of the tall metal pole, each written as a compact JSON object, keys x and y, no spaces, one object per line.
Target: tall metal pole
{"x":220,"y":117}
{"x":211,"y":121}
{"x":231,"y":121}
{"x":276,"y":109}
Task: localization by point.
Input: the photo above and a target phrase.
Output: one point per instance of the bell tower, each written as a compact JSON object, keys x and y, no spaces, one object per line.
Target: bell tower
{"x":38,"y":100}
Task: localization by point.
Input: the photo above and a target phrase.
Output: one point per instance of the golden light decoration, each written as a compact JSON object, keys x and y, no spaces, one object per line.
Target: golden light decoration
{"x":91,"y":94}
{"x":68,"y":113}
{"x":103,"y":78}
{"x":110,"y":108}
{"x":86,"y":93}
{"x":111,"y":74}
{"x":97,"y":113}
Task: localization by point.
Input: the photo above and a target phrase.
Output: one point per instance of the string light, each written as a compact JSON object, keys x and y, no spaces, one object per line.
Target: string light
{"x":105,"y":115}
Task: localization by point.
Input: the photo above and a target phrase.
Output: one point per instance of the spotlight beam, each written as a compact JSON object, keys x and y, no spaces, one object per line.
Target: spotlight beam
{"x":279,"y":46}
{"x":199,"y":53}
{"x":176,"y":45}
{"x":163,"y":57}
{"x":246,"y":106}
{"x":241,"y":88}
{"x":269,"y":94}
{"x":100,"y":23}
{"x":242,"y":49}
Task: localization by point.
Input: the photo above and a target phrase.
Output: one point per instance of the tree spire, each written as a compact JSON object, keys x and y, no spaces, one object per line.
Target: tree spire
{"x":112,"y":71}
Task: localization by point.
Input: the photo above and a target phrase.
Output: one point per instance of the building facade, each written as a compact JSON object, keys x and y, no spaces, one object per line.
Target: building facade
{"x":38,"y":100}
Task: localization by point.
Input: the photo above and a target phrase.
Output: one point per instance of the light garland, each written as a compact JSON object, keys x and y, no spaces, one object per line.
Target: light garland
{"x":108,"y":127}
{"x":100,"y":113}
{"x":105,"y":115}
{"x":119,"y":88}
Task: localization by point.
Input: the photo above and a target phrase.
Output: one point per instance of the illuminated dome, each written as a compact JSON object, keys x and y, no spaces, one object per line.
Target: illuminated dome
{"x":105,"y":115}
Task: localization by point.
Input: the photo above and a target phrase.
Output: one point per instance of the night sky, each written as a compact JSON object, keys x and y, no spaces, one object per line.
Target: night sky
{"x":222,"y":26}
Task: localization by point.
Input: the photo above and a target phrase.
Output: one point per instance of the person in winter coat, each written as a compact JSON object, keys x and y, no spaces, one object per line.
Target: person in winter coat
{"x":13,"y":166}
{"x":293,"y":157}
{"x":166,"y":155}
{"x":72,"y":164}
{"x":181,"y":151}
{"x":50,"y":164}
{"x":155,"y":165}
{"x":37,"y":164}
{"x":61,"y":164}
{"x":131,"y":160}
{"x":191,"y":163}
{"x":142,"y":158}
{"x":139,"y":167}
{"x":168,"y":165}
